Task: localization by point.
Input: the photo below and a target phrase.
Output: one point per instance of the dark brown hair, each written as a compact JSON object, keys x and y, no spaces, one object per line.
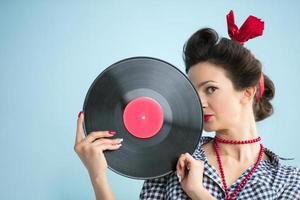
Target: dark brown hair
{"x":242,"y":68}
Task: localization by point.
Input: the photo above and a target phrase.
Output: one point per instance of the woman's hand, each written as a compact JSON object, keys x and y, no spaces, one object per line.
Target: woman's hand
{"x":90,"y":149}
{"x":190,"y":175}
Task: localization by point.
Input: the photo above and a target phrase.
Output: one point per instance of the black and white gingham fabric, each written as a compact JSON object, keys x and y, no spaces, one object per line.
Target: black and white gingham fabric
{"x":271,"y":180}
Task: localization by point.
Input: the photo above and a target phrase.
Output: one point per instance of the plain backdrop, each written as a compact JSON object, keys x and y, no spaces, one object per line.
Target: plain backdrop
{"x":51,"y":51}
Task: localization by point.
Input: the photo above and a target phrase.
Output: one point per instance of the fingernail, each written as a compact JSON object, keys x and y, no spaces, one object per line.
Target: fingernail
{"x":188,"y":167}
{"x":80,"y":113}
{"x":179,"y":177}
{"x":120,"y":140}
{"x":112,"y":132}
{"x":119,"y":145}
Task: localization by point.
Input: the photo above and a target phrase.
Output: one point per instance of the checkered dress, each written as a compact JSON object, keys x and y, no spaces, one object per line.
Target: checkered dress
{"x":271,"y":180}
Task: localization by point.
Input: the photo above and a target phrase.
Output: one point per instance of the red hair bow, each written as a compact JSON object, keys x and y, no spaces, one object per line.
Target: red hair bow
{"x":251,"y":28}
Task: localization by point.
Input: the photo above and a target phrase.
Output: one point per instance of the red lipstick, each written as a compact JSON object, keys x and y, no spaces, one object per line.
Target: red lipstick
{"x":207,"y":117}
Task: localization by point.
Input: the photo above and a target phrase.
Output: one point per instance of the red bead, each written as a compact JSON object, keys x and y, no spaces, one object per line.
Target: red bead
{"x":244,"y":181}
{"x":221,"y":140}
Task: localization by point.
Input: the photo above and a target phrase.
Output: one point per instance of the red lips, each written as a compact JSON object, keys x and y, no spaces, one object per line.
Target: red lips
{"x":207,"y":117}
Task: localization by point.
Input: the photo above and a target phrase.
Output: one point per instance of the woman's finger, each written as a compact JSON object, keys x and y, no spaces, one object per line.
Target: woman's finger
{"x":189,"y":159}
{"x":107,"y":141}
{"x":79,"y":129}
{"x":184,"y":165}
{"x":97,"y":135}
{"x":188,"y":156}
{"x":180,"y":162}
{"x":105,"y":147}
{"x":181,"y":167}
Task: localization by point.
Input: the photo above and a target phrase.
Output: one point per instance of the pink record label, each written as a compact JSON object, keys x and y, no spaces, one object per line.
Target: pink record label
{"x":143,"y":117}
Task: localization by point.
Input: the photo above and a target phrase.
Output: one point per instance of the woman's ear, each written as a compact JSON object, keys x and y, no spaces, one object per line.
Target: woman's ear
{"x":248,"y":94}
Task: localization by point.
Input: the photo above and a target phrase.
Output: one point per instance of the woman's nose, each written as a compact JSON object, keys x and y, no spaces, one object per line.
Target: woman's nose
{"x":203,"y":101}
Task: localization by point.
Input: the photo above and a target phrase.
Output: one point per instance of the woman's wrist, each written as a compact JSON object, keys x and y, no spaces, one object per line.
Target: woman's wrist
{"x":98,"y":177}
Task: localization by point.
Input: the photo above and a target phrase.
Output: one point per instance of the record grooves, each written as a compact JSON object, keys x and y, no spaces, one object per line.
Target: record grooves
{"x":153,"y":106}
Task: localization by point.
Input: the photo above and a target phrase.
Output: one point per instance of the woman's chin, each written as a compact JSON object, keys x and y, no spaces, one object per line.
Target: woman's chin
{"x":208,"y":128}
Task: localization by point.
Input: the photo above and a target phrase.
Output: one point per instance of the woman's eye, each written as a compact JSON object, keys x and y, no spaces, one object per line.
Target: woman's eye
{"x":210,"y":89}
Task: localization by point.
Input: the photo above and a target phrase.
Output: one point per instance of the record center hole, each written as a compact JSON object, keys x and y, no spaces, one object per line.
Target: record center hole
{"x":143,"y":117}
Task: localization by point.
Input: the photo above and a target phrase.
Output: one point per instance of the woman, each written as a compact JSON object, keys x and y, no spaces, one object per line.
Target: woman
{"x":235,"y":94}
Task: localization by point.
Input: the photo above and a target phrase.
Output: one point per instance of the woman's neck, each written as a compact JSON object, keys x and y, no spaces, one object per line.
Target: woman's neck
{"x":239,"y":152}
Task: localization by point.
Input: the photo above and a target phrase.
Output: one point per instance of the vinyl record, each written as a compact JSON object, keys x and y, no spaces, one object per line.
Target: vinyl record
{"x":153,"y":106}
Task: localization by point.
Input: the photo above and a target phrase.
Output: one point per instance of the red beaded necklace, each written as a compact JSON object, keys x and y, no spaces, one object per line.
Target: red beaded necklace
{"x":244,"y":181}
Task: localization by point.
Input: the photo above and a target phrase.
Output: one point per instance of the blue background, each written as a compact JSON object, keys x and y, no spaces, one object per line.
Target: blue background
{"x":51,"y":51}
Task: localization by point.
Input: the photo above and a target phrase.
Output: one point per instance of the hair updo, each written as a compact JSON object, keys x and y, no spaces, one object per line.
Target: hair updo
{"x":242,"y":68}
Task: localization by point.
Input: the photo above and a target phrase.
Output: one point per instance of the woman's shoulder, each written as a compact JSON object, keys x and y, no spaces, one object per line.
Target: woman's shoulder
{"x":290,"y":172}
{"x":277,"y":168}
{"x":199,"y":152}
{"x":283,"y":179}
{"x":289,"y":179}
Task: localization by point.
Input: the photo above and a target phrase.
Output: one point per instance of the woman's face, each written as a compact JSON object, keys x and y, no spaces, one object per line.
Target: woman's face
{"x":220,"y":101}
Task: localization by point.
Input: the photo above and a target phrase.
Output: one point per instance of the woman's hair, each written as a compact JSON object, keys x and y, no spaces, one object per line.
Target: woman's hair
{"x":242,"y":68}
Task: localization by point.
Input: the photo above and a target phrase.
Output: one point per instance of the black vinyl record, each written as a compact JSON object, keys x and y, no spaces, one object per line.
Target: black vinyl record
{"x":153,"y":106}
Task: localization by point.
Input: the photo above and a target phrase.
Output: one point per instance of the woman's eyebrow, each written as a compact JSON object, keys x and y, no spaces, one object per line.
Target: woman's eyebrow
{"x":204,"y":82}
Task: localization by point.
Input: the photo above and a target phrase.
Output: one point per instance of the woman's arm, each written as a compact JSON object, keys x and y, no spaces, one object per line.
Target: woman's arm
{"x":102,"y":188}
{"x":190,"y":175}
{"x":90,"y":151}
